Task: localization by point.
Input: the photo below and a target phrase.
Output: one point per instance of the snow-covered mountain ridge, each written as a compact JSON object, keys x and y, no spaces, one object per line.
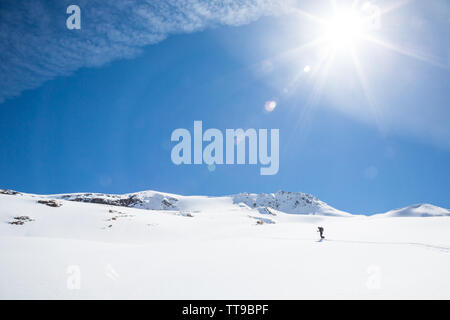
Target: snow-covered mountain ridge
{"x":286,"y":202}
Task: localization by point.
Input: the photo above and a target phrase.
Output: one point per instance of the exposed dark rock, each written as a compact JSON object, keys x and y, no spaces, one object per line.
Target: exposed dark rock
{"x":20,"y":220}
{"x":110,"y":200}
{"x":153,"y":202}
{"x":8,"y":192}
{"x":19,"y":223}
{"x":50,"y":203}
{"x":167,"y":204}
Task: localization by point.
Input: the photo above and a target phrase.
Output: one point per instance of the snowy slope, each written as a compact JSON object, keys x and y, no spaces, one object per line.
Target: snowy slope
{"x":213,"y":247}
{"x":287,"y":202}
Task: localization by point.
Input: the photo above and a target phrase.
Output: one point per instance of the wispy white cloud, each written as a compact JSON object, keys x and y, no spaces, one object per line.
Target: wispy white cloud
{"x":36,"y":46}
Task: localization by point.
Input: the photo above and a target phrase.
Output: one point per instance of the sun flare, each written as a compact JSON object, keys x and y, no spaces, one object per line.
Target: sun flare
{"x":343,"y":29}
{"x":343,"y":46}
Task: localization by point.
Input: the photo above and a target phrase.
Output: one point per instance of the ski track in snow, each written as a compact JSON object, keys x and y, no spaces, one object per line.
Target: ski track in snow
{"x":418,"y":244}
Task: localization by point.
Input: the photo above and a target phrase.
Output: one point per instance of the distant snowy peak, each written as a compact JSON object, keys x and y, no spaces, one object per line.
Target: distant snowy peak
{"x":418,"y":210}
{"x":149,"y":200}
{"x":289,"y":202}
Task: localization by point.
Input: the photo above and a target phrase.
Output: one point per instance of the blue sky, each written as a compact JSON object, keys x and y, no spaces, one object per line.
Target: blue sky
{"x":93,"y":109}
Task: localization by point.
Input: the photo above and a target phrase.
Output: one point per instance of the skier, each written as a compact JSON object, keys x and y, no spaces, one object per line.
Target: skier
{"x":320,"y":230}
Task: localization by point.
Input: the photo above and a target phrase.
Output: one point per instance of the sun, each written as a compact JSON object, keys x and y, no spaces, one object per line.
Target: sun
{"x":343,"y":29}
